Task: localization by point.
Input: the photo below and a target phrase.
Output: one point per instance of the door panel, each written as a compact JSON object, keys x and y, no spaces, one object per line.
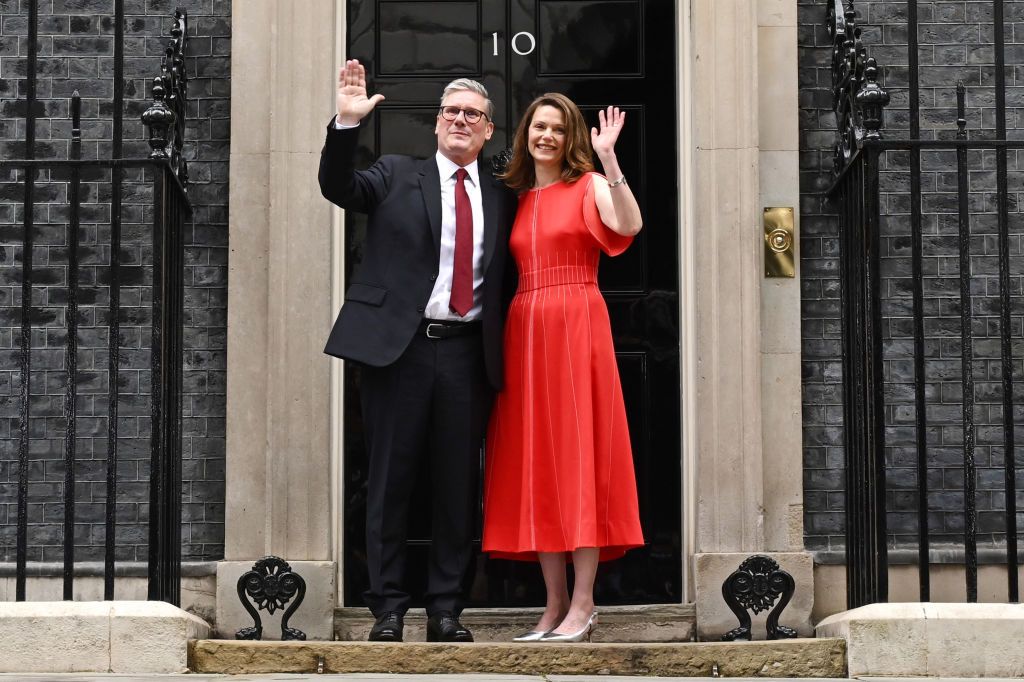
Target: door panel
{"x":409,"y":129}
{"x":412,"y":40}
{"x":598,"y":52}
{"x":590,"y":38}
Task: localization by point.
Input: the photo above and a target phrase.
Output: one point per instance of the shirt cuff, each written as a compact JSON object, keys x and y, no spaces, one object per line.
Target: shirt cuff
{"x":341,"y":126}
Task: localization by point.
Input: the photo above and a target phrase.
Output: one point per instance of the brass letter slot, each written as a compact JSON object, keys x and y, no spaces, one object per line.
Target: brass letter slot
{"x":778,"y":242}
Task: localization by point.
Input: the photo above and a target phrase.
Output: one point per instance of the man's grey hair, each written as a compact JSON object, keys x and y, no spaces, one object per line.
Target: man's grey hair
{"x":472,"y":86}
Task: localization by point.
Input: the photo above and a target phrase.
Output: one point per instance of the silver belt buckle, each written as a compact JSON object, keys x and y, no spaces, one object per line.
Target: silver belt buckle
{"x":431,"y":336}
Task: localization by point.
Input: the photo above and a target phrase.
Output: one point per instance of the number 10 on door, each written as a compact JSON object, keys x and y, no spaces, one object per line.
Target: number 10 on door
{"x":519,"y":40}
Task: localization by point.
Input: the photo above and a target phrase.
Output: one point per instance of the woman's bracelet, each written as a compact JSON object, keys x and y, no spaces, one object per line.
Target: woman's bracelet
{"x":620,"y":181}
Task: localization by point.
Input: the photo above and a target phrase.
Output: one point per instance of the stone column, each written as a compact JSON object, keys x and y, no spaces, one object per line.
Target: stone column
{"x":748,"y":432}
{"x":728,"y":276}
{"x":779,"y":129}
{"x":279,"y":307}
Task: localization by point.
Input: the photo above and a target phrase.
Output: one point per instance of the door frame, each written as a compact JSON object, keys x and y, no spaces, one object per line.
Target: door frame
{"x":687,"y":314}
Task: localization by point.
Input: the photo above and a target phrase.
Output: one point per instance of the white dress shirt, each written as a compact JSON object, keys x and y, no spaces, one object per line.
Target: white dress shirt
{"x":437,"y":307}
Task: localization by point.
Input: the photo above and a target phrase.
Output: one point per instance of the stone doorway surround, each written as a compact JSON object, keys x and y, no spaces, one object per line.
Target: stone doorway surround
{"x":745,"y":470}
{"x":279,"y":473}
{"x":740,"y":389}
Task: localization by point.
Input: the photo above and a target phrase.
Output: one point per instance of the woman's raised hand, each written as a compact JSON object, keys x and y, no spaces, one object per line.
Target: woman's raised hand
{"x":353,"y":104}
{"x":603,"y":139}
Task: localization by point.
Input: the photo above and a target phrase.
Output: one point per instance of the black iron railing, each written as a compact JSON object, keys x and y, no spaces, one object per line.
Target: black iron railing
{"x":862,"y":158}
{"x":164,"y":171}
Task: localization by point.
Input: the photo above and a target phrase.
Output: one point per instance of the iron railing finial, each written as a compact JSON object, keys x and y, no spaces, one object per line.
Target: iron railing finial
{"x":872,"y":99}
{"x":858,"y":100}
{"x":165,"y":118}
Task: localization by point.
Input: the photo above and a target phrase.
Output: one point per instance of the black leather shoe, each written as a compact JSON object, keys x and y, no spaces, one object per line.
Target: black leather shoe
{"x":444,"y":627}
{"x":388,"y":628}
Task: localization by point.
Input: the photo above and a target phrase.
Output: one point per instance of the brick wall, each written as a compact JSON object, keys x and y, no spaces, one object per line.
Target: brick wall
{"x":76,"y":52}
{"x":956,"y":43}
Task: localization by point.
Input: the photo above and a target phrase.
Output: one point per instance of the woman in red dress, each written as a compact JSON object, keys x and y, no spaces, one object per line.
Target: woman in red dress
{"x":559,"y":480}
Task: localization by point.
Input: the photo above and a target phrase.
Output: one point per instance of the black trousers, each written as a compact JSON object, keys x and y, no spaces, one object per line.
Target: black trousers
{"x":428,"y":407}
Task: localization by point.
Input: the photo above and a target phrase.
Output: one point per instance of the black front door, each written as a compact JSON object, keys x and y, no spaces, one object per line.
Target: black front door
{"x":598,"y":52}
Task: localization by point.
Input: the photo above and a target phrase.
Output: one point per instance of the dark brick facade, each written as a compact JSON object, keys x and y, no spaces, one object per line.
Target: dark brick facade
{"x":956,"y":43}
{"x":76,"y":52}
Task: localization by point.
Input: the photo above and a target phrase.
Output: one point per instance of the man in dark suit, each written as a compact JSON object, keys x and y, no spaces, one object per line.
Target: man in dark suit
{"x":423,"y":316}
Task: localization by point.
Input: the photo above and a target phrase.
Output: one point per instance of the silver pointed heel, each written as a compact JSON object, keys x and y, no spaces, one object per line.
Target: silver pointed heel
{"x":584,"y":633}
{"x":531,"y":636}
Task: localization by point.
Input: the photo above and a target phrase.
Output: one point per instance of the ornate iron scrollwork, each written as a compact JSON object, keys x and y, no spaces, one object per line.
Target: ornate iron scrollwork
{"x":755,"y":586}
{"x":165,"y":118}
{"x":270,"y":584}
{"x":857,"y":99}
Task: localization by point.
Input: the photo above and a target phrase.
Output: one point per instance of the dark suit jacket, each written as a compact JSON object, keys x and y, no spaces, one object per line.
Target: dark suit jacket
{"x":390,"y":288}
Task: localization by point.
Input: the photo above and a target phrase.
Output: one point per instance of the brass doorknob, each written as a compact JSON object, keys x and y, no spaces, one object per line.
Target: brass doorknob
{"x":779,"y":240}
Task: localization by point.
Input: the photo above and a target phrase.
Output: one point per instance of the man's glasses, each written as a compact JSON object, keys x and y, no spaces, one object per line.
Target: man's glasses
{"x":452,"y":113}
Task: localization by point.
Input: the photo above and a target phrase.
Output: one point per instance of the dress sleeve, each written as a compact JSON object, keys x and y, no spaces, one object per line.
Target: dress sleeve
{"x":610,"y":242}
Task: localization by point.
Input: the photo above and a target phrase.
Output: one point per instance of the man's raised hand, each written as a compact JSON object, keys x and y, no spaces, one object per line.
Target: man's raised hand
{"x":353,"y":104}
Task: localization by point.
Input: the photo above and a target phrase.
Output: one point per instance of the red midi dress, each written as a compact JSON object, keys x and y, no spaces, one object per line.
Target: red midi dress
{"x":559,"y":466}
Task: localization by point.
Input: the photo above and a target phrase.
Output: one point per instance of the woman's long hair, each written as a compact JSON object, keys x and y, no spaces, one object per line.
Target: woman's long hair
{"x":578,"y":158}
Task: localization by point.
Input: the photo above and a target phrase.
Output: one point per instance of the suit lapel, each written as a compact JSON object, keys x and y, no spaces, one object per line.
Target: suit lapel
{"x":489,"y":198}
{"x":430,"y":187}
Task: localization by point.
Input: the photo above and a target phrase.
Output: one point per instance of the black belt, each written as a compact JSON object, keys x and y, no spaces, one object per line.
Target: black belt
{"x":444,"y":329}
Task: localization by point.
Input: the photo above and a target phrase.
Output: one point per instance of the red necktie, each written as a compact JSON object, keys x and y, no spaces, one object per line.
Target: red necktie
{"x":462,"y":276}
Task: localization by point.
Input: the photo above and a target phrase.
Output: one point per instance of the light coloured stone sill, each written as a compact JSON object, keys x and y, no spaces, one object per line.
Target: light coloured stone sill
{"x":913,"y":639}
{"x":126,"y":569}
{"x":940,"y":554}
{"x":91,"y":636}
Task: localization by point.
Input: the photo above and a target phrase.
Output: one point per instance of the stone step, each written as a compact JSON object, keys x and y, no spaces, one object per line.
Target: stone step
{"x":624,"y":624}
{"x":782,"y":658}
